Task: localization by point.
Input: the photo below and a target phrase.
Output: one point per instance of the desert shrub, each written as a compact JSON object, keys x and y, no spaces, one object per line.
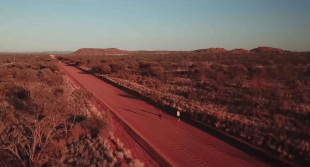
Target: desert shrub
{"x":294,"y":84}
{"x":218,"y":67}
{"x":77,"y":131}
{"x":60,"y":58}
{"x":47,"y":76}
{"x":120,"y":155}
{"x":200,"y":70}
{"x":147,"y":65}
{"x":127,"y":154}
{"x":21,"y":65}
{"x":4,"y":73}
{"x":8,"y":60}
{"x":53,"y":67}
{"x":106,"y":69}
{"x":133,"y":65}
{"x":115,"y":67}
{"x":169,"y":66}
{"x":119,"y":144}
{"x":151,"y":83}
{"x":150,"y":69}
{"x":200,"y":67}
{"x":136,"y":163}
{"x":156,"y":71}
{"x":125,"y":73}
{"x":44,"y":73}
{"x":279,"y":120}
{"x":78,"y":63}
{"x":38,"y":120}
{"x":258,"y":71}
{"x":184,"y":64}
{"x":220,"y":78}
{"x":238,"y":70}
{"x":109,"y":154}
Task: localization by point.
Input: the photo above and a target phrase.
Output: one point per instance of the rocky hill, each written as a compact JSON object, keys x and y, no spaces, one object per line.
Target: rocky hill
{"x":264,"y":49}
{"x":211,"y":50}
{"x":238,"y":51}
{"x":115,"y":51}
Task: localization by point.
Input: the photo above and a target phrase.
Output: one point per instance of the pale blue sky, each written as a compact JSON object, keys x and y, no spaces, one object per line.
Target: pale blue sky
{"x":62,"y":25}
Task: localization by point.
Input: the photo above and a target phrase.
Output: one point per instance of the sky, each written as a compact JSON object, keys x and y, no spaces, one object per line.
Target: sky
{"x":67,"y":25}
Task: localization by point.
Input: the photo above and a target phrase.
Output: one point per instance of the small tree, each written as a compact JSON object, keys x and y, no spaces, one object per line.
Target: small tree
{"x":115,"y":67}
{"x":238,"y":72}
{"x":258,"y":71}
{"x":156,"y":71}
{"x":106,"y":69}
{"x":220,"y":78}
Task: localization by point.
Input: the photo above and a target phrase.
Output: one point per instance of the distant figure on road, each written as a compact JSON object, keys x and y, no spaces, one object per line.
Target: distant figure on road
{"x":178,"y":115}
{"x":159,"y":114}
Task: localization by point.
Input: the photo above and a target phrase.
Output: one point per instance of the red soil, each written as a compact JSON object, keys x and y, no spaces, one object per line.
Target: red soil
{"x":178,"y":142}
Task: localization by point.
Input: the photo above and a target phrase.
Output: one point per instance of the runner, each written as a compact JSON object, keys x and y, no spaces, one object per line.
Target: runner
{"x":178,"y":115}
{"x":159,"y":114}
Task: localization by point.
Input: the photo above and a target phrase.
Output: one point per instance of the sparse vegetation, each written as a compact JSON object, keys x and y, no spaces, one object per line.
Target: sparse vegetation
{"x":46,"y":122}
{"x":262,"y":98}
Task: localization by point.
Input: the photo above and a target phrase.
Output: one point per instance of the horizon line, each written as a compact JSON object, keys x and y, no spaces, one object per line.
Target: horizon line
{"x":146,"y":50}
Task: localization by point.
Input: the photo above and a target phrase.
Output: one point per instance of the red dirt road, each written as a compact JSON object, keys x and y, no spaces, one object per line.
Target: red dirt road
{"x":179,"y":143}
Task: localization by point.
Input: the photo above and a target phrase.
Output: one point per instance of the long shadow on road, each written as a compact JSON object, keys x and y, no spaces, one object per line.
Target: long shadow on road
{"x":154,"y":114}
{"x":128,"y":96}
{"x":136,"y":112}
{"x":145,"y":112}
{"x":84,"y":72}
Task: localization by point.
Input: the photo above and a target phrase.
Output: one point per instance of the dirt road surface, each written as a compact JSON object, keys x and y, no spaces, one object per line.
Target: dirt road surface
{"x":179,"y":143}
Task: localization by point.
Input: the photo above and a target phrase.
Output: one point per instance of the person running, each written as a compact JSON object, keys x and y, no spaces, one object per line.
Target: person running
{"x":178,"y":115}
{"x":159,"y":114}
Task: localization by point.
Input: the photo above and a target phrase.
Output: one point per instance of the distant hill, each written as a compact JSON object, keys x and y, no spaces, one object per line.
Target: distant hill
{"x":264,"y":49}
{"x":211,"y":50}
{"x":97,"y":51}
{"x":115,"y":51}
{"x":43,"y":52}
{"x":238,"y":51}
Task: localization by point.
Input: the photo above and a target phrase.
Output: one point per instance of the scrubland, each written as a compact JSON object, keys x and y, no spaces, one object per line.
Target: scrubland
{"x":262,"y":98}
{"x":44,"y":121}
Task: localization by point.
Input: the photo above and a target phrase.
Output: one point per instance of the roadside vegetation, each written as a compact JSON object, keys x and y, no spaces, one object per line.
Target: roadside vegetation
{"x":262,"y":98}
{"x":44,"y":121}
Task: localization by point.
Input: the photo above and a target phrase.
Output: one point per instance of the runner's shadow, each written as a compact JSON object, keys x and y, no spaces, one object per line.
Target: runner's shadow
{"x":128,"y":96}
{"x":136,"y":113}
{"x":154,"y":113}
{"x":83,"y":72}
{"x":72,"y":65}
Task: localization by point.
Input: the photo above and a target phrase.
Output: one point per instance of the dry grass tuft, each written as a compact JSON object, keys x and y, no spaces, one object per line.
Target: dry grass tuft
{"x":136,"y":163}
